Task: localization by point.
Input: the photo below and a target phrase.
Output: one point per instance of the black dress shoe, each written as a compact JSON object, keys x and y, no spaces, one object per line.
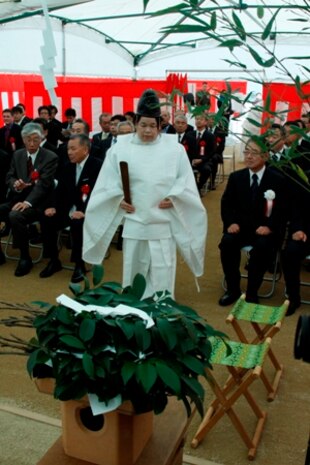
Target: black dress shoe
{"x":78,"y":274}
{"x":229,"y":298}
{"x":2,"y":258}
{"x":24,"y":266}
{"x":52,"y":267}
{"x":253,"y":299}
{"x":294,"y":304}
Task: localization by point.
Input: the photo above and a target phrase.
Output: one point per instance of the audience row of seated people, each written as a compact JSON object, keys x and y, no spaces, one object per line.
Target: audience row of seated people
{"x":264,"y":203}
{"x":52,"y":190}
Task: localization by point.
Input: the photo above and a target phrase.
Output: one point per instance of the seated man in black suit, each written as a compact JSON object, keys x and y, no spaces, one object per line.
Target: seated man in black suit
{"x":70,"y":116}
{"x":54,"y":130}
{"x":112,"y":138}
{"x":252,"y":210}
{"x":166,"y":126}
{"x":68,"y":204}
{"x":104,"y":121}
{"x":24,"y":119}
{"x":275,"y":138}
{"x":10,"y":134}
{"x":19,"y":116}
{"x":201,"y":150}
{"x":30,"y":180}
{"x":297,"y":244}
{"x":203,"y":97}
{"x":219,"y":132}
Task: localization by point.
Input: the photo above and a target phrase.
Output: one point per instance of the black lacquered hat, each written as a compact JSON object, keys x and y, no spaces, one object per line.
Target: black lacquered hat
{"x":148,"y":104}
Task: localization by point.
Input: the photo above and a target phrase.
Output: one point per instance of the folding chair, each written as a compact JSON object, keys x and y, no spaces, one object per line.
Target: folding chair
{"x":238,"y":355}
{"x":306,"y":284}
{"x":8,"y":242}
{"x":276,"y":274}
{"x":266,"y":321}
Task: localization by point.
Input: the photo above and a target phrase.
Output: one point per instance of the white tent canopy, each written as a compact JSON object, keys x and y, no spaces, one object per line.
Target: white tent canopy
{"x":119,"y":39}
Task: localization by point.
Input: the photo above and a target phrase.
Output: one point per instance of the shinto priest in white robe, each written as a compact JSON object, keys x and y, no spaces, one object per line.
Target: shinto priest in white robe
{"x":157,"y":170}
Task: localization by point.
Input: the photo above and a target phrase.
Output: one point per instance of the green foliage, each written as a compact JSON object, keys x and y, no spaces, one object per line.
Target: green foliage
{"x":119,"y":355}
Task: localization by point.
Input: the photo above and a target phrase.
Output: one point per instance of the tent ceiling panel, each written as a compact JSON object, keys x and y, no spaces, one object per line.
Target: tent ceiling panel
{"x":123,"y":27}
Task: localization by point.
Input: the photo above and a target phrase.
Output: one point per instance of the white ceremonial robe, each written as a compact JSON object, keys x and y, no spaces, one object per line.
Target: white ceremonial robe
{"x":157,"y":170}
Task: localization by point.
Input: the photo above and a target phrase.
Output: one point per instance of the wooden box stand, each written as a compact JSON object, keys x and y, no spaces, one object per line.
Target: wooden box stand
{"x":111,"y":439}
{"x":116,"y":438}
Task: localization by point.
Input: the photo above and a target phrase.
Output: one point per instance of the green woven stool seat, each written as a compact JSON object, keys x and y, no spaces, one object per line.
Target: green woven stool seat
{"x":265,"y":321}
{"x":237,"y":354}
{"x":236,"y":357}
{"x":265,"y":314}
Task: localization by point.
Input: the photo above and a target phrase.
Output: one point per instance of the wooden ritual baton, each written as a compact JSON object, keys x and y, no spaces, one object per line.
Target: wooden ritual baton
{"x":125,"y":180}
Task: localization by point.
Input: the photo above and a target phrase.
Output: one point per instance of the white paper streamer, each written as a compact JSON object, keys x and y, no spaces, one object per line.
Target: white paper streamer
{"x":99,"y":408}
{"x":120,"y":310}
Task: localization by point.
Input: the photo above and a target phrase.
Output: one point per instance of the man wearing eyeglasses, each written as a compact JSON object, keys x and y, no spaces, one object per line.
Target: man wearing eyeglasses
{"x":253,"y":214}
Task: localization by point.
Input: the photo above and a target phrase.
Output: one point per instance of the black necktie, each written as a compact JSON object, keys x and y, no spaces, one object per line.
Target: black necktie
{"x":7,"y":134}
{"x":180,"y":137}
{"x":254,"y":187}
{"x":29,"y":166}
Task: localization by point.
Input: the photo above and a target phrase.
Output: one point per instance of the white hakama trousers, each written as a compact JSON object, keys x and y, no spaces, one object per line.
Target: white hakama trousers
{"x":154,"y":259}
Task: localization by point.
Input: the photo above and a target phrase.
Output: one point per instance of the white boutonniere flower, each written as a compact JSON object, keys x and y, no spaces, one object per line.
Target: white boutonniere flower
{"x":269,"y":195}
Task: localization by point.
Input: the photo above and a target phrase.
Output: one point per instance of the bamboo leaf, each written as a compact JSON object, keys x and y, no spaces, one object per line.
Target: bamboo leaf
{"x":239,"y":29}
{"x":259,"y":60}
{"x":268,"y":28}
{"x":213,"y":22}
{"x":254,"y":122}
{"x":231,"y":43}
{"x":235,"y":63}
{"x":173,"y":9}
{"x":145,"y":3}
{"x":267,"y":102}
{"x":185,"y":28}
{"x":260,"y":12}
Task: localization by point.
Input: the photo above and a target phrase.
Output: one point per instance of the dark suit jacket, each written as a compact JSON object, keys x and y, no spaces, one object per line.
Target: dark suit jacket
{"x":204,"y":149}
{"x":38,"y":193}
{"x":15,"y":133}
{"x":96,"y":140}
{"x":169,"y":130}
{"x":48,"y":146}
{"x":24,"y":121}
{"x":237,"y":206}
{"x":68,"y":194}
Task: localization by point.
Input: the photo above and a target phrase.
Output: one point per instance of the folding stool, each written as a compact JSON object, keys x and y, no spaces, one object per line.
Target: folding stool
{"x":266,"y":321}
{"x":235,"y":355}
